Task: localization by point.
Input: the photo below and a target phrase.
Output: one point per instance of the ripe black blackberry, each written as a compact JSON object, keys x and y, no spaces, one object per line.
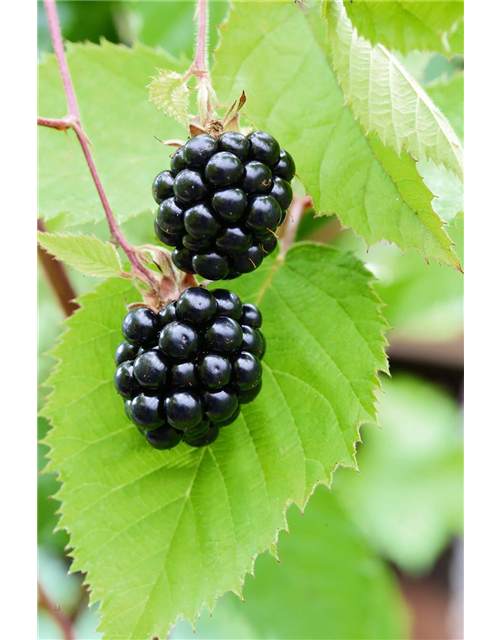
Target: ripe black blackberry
{"x":183,"y":372}
{"x":222,"y":201}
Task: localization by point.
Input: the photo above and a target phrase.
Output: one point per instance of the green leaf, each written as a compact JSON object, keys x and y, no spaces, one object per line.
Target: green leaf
{"x":408,"y":498}
{"x":110,"y":84}
{"x":386,"y":99}
{"x":148,"y":23}
{"x":424,"y":302}
{"x":88,"y":254}
{"x":169,"y":92}
{"x":162,"y":534}
{"x":329,"y":584}
{"x":372,"y":189}
{"x":448,"y":189}
{"x":407,"y":25}
{"x":456,"y":38}
{"x":448,"y":95}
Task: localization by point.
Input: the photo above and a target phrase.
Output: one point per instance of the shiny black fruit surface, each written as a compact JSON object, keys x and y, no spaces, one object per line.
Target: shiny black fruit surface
{"x":221,"y":202}
{"x":184,"y":372}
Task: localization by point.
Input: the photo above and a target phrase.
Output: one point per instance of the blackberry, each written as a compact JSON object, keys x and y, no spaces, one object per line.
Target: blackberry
{"x":282,"y":192}
{"x":140,"y":326}
{"x":163,"y":186}
{"x":230,"y":204}
{"x":183,"y":259}
{"x":231,"y":419}
{"x":196,"y":245}
{"x":212,"y":265}
{"x":190,"y":187}
{"x":268,"y":245}
{"x":170,"y":217}
{"x":264,"y":147}
{"x":184,"y":375}
{"x":251,"y":316}
{"x":178,"y":340}
{"x":146,"y":411}
{"x":264,"y":214}
{"x":228,"y":303}
{"x":167,"y":314}
{"x":258,"y":178}
{"x":200,"y":223}
{"x":125,"y":382}
{"x":151,"y":369}
{"x":207,"y":437}
{"x":196,"y":306}
{"x":224,"y":335}
{"x":234,"y":142}
{"x":247,"y":371}
{"x":253,"y":341}
{"x":125,"y":351}
{"x":244,"y":397}
{"x":234,"y":239}
{"x":222,"y":201}
{"x":199,"y":150}
{"x":184,"y":371}
{"x":249,"y":260}
{"x":214,"y":370}
{"x":285,"y":167}
{"x":165,"y":237}
{"x":220,"y":405}
{"x":164,"y":437}
{"x":183,"y":409}
{"x":224,"y":169}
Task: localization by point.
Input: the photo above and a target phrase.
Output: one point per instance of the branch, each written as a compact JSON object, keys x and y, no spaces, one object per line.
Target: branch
{"x":72,"y":120}
{"x":59,"y":617}
{"x":57,"y":44}
{"x":300,"y":205}
{"x":199,"y":67}
{"x":58,"y":278}
{"x":55,"y":123}
{"x":200,"y":61}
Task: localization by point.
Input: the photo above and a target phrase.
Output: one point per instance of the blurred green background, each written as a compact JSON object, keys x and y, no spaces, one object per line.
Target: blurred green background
{"x":403,"y":512}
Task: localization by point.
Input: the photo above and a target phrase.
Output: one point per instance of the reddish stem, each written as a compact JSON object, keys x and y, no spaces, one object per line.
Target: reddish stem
{"x":54,"y":611}
{"x":300,"y":204}
{"x":58,"y":278}
{"x":73,"y":121}
{"x":113,"y":225}
{"x":57,"y":43}
{"x":200,"y":61}
{"x":56,"y":123}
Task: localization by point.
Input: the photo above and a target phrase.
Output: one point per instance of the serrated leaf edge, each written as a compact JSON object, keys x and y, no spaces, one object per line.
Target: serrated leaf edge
{"x":42,"y":234}
{"x":272,"y":547}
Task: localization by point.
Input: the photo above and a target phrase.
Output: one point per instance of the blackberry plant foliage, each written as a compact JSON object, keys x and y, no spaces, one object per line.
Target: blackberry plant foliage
{"x":184,"y":372}
{"x":273,"y":452}
{"x":179,"y":456}
{"x":222,"y":201}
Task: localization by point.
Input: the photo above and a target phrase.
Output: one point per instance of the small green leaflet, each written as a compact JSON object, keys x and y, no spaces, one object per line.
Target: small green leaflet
{"x":408,"y":498}
{"x":163,"y":534}
{"x":373,"y":190}
{"x":110,"y":84}
{"x":88,"y":254}
{"x":408,"y":25}
{"x":345,"y":591}
{"x":169,"y":92}
{"x":385,"y":98}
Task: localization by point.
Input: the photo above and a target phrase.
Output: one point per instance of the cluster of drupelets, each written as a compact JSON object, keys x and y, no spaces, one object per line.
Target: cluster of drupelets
{"x":184,"y":372}
{"x":222,"y":201}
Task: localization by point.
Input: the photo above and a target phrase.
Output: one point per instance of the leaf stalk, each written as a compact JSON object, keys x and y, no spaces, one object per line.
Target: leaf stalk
{"x":72,"y":120}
